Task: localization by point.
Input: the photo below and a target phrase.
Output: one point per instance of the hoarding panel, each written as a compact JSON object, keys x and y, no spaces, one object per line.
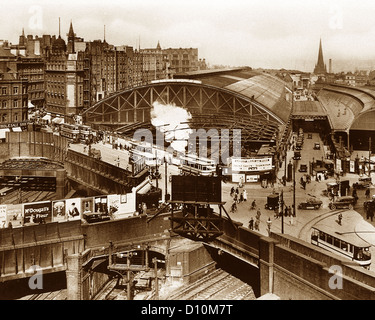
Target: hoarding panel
{"x":37,"y":212}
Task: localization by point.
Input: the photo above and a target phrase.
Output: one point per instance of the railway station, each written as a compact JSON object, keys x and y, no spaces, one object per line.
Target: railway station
{"x":155,"y":234}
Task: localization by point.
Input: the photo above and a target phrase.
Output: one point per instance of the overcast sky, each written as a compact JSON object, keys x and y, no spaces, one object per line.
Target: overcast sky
{"x":258,"y":33}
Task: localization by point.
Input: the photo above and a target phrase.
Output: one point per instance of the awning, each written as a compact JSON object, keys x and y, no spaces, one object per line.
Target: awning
{"x":17,"y":129}
{"x":30,"y":105}
{"x":3,"y":133}
{"x":47,"y":117}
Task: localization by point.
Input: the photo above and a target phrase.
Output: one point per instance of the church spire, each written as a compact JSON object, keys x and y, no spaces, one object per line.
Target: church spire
{"x":71,"y":37}
{"x":320,"y":67}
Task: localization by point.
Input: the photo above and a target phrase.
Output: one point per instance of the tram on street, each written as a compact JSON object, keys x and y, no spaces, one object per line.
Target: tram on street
{"x":342,"y":239}
{"x":192,"y":164}
{"x":70,"y":131}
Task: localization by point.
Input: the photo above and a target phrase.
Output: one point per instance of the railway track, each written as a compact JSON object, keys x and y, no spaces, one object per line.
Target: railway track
{"x":218,"y":285}
{"x":53,"y":295}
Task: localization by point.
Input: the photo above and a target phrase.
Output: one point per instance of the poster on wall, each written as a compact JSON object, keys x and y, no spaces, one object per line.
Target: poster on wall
{"x":3,"y":216}
{"x":351,"y":166}
{"x":37,"y":212}
{"x":72,"y":209}
{"x":87,"y":205}
{"x":58,"y":211}
{"x":14,"y":215}
{"x":101,"y":205}
{"x":113,"y":204}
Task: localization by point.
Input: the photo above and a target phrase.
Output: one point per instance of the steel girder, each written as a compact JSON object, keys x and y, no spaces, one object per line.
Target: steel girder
{"x":134,"y":105}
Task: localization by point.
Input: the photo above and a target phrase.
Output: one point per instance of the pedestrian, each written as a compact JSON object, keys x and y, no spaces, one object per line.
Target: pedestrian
{"x":257,"y":221}
{"x":258,"y":214}
{"x":251,"y":224}
{"x":245,"y":195}
{"x":235,"y":197}
{"x":269,"y":223}
{"x":234,"y":206}
{"x":286,"y":211}
{"x":253,"y":205}
{"x":231,"y":191}
{"x":371,"y":212}
{"x":237,"y":191}
{"x":367,"y":193}
{"x":339,"y":219}
{"x":241,"y":197}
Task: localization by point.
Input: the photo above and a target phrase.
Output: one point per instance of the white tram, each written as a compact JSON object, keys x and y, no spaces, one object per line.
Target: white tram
{"x":342,"y":239}
{"x":192,"y":164}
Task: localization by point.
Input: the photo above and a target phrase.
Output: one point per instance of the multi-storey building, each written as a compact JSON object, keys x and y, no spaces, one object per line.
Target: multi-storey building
{"x":182,"y":59}
{"x":64,"y":77}
{"x":33,"y":69}
{"x":13,"y":97}
{"x":153,"y":64}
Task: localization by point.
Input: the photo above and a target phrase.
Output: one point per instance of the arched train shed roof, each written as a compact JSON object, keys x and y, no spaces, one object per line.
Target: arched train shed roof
{"x":239,"y":93}
{"x":349,"y":108}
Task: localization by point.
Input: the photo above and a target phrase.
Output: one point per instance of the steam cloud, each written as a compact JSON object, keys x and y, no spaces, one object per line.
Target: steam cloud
{"x":173,"y":122}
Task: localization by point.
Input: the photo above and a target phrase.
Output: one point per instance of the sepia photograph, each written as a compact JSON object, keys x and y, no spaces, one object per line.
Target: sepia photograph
{"x":189,"y":156}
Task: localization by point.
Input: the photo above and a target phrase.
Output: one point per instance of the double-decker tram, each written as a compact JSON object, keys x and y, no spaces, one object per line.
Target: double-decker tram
{"x":192,"y":164}
{"x":342,"y":239}
{"x":70,"y":131}
{"x":84,"y":132}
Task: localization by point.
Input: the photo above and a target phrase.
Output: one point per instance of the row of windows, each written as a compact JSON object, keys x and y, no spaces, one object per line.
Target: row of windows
{"x":14,"y":103}
{"x":5,"y":117}
{"x":16,"y":90}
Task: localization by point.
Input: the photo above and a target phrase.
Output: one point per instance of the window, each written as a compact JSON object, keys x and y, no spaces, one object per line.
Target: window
{"x":15,"y":103}
{"x":4,"y":104}
{"x":3,"y":90}
{"x":15,"y":90}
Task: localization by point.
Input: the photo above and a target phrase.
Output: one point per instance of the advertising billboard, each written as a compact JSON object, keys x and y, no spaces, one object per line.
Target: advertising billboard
{"x":73,"y":209}
{"x":58,"y":211}
{"x":14,"y":215}
{"x":37,"y":212}
{"x":251,"y":164}
{"x":3,"y":216}
{"x":87,"y":205}
{"x":101,"y":205}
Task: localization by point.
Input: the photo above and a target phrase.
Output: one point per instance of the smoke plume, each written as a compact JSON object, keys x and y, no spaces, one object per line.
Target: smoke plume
{"x":173,"y":122}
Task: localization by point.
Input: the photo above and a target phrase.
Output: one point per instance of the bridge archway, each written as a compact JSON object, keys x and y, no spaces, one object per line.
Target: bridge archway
{"x":133,"y":106}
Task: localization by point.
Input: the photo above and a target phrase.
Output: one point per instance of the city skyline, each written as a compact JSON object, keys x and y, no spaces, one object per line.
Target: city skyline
{"x":260,"y":34}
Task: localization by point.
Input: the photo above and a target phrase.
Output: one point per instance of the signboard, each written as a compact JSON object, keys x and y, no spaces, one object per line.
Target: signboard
{"x":351,"y":166}
{"x":338,"y":165}
{"x":37,"y":212}
{"x":196,"y":188}
{"x":73,"y":208}
{"x":58,"y":211}
{"x":14,"y":215}
{"x":3,"y":216}
{"x":252,"y":178}
{"x":251,"y":164}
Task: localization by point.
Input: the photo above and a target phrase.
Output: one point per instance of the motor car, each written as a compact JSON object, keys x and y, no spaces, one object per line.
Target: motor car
{"x":345,"y":202}
{"x":272,"y":202}
{"x":363,"y":183}
{"x":302,"y":168}
{"x":297,"y":155}
{"x":309,"y":136}
{"x":310,"y":203}
{"x":316,"y":146}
